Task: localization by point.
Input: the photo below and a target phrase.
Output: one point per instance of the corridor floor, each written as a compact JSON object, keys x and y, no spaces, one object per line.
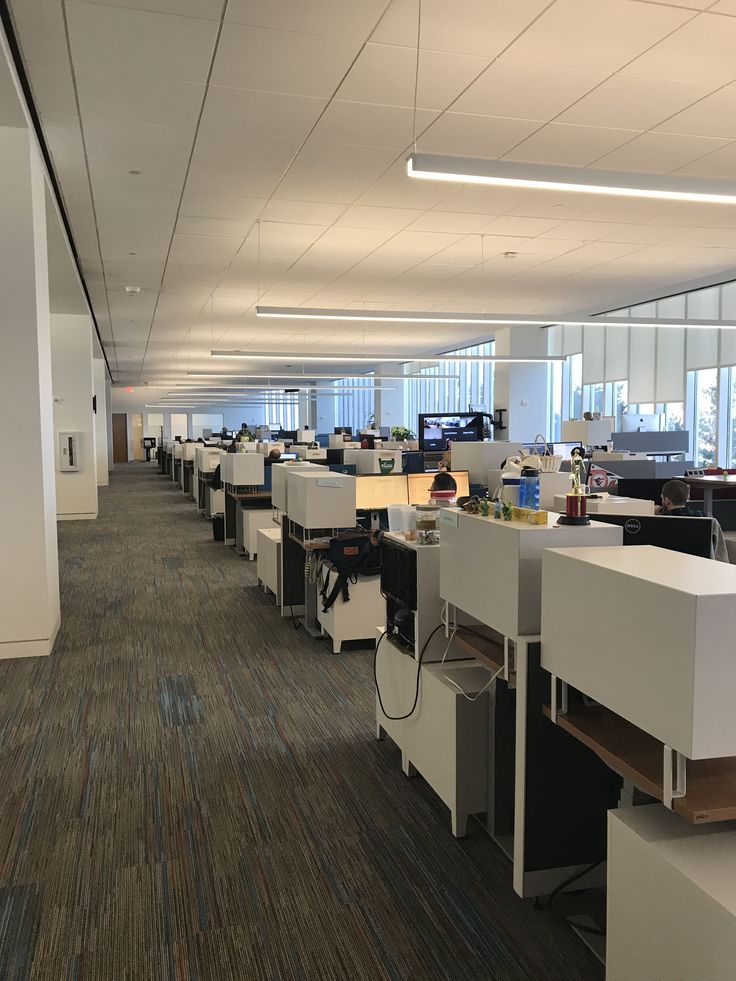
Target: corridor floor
{"x":192,"y":790}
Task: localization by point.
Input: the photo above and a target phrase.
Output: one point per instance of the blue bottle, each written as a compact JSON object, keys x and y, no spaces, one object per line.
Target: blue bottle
{"x":529,"y":489}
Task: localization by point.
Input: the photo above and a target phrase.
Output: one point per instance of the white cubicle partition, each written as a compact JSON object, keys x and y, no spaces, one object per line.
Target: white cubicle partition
{"x":279,"y":487}
{"x":320,"y":499}
{"x":647,"y":632}
{"x":479,"y":458}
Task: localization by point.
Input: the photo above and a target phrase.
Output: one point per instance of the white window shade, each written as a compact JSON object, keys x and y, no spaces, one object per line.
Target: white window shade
{"x":572,"y":341}
{"x":701,"y":346}
{"x":642,"y":350}
{"x":728,"y":312}
{"x":594,"y":346}
{"x":617,"y":353}
{"x":670,"y":378}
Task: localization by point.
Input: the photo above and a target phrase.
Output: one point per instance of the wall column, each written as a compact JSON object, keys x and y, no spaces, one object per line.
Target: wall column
{"x":522,"y":389}
{"x":390,"y":407}
{"x":99,"y":373}
{"x":71,"y":368}
{"x":29,"y":568}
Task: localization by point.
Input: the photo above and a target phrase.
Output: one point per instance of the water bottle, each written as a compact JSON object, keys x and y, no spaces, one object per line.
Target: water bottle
{"x":529,"y":489}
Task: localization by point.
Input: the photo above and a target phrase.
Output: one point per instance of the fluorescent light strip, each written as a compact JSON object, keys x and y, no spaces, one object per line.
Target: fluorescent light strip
{"x":280,"y":389}
{"x":383,"y":358}
{"x":335,"y":376}
{"x":549,"y":177}
{"x":489,"y":319}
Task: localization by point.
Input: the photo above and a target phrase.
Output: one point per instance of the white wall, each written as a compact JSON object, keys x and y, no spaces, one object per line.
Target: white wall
{"x":73,"y":388}
{"x":99,"y":374}
{"x":390,"y":408}
{"x":522,"y":389}
{"x":29,"y":569}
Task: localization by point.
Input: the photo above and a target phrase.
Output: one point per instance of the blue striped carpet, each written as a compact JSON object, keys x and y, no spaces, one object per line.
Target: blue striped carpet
{"x":192,"y":791}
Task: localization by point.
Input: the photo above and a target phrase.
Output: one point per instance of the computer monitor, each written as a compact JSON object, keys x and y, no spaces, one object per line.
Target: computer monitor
{"x":436,"y":432}
{"x":564,"y":449}
{"x":288,"y":434}
{"x":374,"y":492}
{"x":631,"y":422}
{"x":343,"y":431}
{"x":642,"y":488}
{"x":421,"y":483}
{"x":690,"y":535}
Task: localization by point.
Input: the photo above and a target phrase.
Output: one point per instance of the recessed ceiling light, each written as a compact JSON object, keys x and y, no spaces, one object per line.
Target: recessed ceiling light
{"x":132,"y":290}
{"x":132,"y":253}
{"x":135,"y":173}
{"x":510,"y":255}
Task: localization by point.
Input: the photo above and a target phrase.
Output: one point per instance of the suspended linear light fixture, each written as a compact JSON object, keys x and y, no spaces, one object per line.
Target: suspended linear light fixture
{"x":581,"y":180}
{"x":374,"y":358}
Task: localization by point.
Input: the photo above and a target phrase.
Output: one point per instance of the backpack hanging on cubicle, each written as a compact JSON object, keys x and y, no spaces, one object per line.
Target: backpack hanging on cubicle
{"x":350,"y":558}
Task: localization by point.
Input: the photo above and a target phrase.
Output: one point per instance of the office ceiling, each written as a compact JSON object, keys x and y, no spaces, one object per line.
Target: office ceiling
{"x":175,"y":124}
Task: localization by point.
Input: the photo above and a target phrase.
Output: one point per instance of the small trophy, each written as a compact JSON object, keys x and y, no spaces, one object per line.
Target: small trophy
{"x":576,"y":499}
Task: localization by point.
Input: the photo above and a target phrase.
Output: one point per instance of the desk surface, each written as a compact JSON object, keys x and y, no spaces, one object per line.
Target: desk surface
{"x":714,"y":480}
{"x":633,"y":753}
{"x":487,"y":649}
{"x":253,"y":496}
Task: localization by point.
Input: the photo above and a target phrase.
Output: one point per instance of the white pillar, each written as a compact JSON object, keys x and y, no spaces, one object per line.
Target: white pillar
{"x":522,"y":389}
{"x":73,"y":386}
{"x":325,"y":412}
{"x":390,"y":405}
{"x":99,"y":372}
{"x":29,"y":568}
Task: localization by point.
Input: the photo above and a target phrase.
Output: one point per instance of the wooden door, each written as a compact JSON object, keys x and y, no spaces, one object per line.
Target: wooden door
{"x":119,"y":437}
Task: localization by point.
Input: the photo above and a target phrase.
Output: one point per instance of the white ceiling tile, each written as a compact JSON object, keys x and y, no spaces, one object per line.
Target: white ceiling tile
{"x":135,"y":98}
{"x":53,"y":91}
{"x":601,"y":35}
{"x":725,"y":7}
{"x":518,"y":225}
{"x":722,"y":163}
{"x":137,"y":141}
{"x":335,"y":18}
{"x":260,"y":114}
{"x":277,"y":238}
{"x":135,"y":200}
{"x":218,"y":227}
{"x":364,"y":124}
{"x":140,"y":43}
{"x":304,"y":212}
{"x":660,"y":152}
{"x":227,"y":206}
{"x":391,"y":219}
{"x":481,"y":200}
{"x":385,"y":74}
{"x":281,"y":61}
{"x":632,"y":102}
{"x":207,"y":9}
{"x":586,"y":231}
{"x":196,"y":247}
{"x":527,"y":91}
{"x":347,"y":243}
{"x":631,"y":210}
{"x":476,"y":136}
{"x":700,"y":52}
{"x":451,"y":221}
{"x":715,"y":115}
{"x":575,"y":145}
{"x":481,"y":27}
{"x":397,"y":193}
{"x":416,"y":246}
{"x":215,"y":179}
{"x":238,"y":151}
{"x":307,"y":187}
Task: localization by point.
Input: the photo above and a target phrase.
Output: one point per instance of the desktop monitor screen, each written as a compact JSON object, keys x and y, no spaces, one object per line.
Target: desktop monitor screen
{"x":420,"y":484}
{"x":564,"y":449}
{"x":642,"y":488}
{"x":631,"y":422}
{"x":343,"y":431}
{"x":690,"y":535}
{"x":436,"y":432}
{"x":373,"y":492}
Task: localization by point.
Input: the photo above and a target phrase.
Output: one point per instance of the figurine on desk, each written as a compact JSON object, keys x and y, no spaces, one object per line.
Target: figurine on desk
{"x":576,"y":500}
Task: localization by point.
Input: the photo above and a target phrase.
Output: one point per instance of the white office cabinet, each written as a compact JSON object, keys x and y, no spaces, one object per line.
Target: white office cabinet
{"x":446,"y":738}
{"x":242,"y":469}
{"x":492,"y":569}
{"x":69,"y":452}
{"x":648,"y":633}
{"x":550,"y":485}
{"x":305,"y":435}
{"x":671,"y":898}
{"x":266,"y":447}
{"x":252,"y":521}
{"x":305,"y":452}
{"x":609,"y":504}
{"x":368,"y":461}
{"x":479,"y":458}
{"x":177,"y":448}
{"x":320,"y":499}
{"x":216,"y":503}
{"x":593,"y":432}
{"x":269,"y":559}
{"x":356,"y":619}
{"x":188,"y":450}
{"x":278,"y":481}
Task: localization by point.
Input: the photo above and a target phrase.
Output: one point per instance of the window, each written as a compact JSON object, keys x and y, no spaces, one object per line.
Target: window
{"x":153,"y":423}
{"x":355,"y":408}
{"x":206,"y":420}
{"x":575,"y":362}
{"x":556,"y":402}
{"x":280,"y":412}
{"x":471,"y":390}
{"x":703,"y":401}
{"x":616,"y":395}
{"x":731,"y":395}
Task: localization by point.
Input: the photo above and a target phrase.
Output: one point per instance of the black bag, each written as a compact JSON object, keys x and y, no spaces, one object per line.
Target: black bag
{"x":350,"y":558}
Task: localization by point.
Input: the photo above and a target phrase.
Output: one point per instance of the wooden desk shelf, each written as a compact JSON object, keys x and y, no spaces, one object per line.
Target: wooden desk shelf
{"x":637,"y":756}
{"x":486,"y":649}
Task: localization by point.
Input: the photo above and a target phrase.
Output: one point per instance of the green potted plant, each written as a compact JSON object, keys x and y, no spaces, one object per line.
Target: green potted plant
{"x":401,"y":434}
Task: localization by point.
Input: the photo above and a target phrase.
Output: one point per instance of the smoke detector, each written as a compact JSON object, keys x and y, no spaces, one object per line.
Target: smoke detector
{"x":132,"y":290}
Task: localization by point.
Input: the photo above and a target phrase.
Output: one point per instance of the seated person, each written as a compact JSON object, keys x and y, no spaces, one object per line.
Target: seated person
{"x":273,"y":456}
{"x":443,"y":481}
{"x":675,"y":495}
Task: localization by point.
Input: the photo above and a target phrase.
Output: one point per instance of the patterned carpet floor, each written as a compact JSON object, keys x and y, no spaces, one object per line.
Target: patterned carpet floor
{"x":193,"y":791}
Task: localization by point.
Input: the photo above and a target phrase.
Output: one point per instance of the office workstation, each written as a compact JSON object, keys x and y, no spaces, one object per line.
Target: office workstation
{"x":367,"y":607}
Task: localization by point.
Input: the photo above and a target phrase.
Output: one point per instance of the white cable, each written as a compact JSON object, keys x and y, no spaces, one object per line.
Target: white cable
{"x":473,"y":698}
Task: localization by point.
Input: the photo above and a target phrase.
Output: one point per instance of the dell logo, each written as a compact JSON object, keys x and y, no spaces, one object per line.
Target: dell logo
{"x":633,"y":526}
